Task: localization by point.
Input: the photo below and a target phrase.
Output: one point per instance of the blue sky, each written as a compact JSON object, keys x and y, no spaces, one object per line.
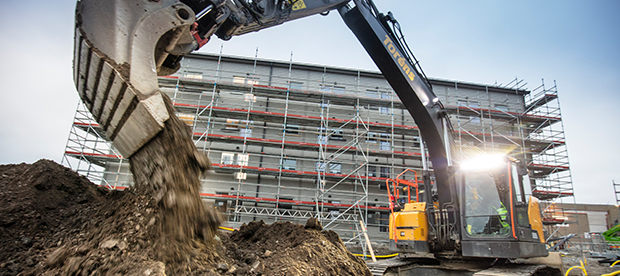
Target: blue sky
{"x":575,"y":43}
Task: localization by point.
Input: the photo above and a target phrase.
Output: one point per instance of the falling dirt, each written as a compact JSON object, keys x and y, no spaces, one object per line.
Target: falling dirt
{"x":55,"y":222}
{"x":169,"y":168}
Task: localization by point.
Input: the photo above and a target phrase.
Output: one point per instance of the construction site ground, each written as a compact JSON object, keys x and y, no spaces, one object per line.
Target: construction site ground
{"x":591,"y":265}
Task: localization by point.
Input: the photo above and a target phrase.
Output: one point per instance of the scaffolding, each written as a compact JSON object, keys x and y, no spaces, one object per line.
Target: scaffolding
{"x":290,"y":141}
{"x":88,"y":150}
{"x":616,"y":191}
{"x":553,"y":182}
{"x":527,"y":126}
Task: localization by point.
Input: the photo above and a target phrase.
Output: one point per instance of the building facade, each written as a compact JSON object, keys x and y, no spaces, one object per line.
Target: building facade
{"x":290,"y":141}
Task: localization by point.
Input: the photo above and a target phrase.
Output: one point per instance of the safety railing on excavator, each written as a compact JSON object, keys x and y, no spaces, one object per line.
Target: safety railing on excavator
{"x":395,"y":196}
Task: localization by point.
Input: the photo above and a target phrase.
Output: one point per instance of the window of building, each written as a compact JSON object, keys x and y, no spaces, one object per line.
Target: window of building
{"x":416,"y":141}
{"x":242,"y":159}
{"x":465,"y":103}
{"x":288,"y":164}
{"x":372,"y":218}
{"x":239,"y":80}
{"x":384,"y":110}
{"x":371,"y":137}
{"x":245,"y":80}
{"x":372,"y":171}
{"x":287,"y":204}
{"x":371,"y":107}
{"x":292,"y":129}
{"x":232,"y":125}
{"x":337,"y":134}
{"x":378,"y":94}
{"x":241,"y":175}
{"x":188,"y":119}
{"x":296,"y":85}
{"x":249,"y":97}
{"x":335,"y":168}
{"x":333,"y":213}
{"x":469,"y":120}
{"x":338,"y":89}
{"x":372,"y":94}
{"x":227,"y":158}
{"x":333,"y":88}
{"x":245,"y":132}
{"x":385,"y":172}
{"x":193,"y":75}
{"x":501,"y":107}
{"x":322,"y":137}
{"x":384,"y":222}
{"x":222,"y":204}
{"x":385,"y":145}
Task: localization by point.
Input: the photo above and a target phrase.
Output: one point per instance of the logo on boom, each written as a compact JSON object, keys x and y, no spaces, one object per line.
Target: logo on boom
{"x":400,"y":59}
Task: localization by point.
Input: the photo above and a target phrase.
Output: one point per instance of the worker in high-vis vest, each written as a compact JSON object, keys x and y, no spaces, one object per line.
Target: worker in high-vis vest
{"x":503,"y":218}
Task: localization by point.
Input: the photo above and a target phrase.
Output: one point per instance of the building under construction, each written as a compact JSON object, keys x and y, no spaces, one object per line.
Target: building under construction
{"x":290,"y":141}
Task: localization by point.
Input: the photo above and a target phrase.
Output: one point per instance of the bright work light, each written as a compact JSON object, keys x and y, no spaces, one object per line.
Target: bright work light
{"x":484,"y":162}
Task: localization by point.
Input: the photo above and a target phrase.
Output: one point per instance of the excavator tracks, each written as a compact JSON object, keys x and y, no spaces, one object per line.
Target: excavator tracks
{"x":379,"y":268}
{"x":432,"y":267}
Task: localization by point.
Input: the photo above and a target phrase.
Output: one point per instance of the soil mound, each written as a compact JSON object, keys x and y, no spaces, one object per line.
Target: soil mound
{"x":285,"y":248}
{"x":42,"y":204}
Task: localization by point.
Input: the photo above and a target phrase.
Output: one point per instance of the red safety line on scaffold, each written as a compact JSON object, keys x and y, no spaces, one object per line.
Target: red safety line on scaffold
{"x":273,"y":200}
{"x":456,"y":107}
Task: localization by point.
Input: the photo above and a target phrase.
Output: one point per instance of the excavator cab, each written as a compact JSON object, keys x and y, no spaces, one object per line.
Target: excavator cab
{"x":498,"y":218}
{"x":496,"y":209}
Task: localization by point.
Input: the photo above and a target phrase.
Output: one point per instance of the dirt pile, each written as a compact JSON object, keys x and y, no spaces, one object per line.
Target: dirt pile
{"x":42,"y":205}
{"x":285,"y":248}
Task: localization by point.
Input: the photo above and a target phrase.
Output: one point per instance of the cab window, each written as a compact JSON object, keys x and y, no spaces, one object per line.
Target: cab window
{"x":485,"y":213}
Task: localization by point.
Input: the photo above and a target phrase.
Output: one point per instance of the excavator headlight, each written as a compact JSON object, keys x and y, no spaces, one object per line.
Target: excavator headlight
{"x":484,"y":162}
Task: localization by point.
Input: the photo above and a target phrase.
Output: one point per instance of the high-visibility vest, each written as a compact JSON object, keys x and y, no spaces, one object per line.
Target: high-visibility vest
{"x":503,"y":215}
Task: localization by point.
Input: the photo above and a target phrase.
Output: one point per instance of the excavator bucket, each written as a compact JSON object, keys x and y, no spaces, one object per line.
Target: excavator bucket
{"x":120,"y":47}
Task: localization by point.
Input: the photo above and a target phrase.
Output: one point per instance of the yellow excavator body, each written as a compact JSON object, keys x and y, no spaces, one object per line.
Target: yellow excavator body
{"x":410,"y":223}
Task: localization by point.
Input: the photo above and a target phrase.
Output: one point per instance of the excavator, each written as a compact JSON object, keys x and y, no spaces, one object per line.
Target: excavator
{"x":471,"y":211}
